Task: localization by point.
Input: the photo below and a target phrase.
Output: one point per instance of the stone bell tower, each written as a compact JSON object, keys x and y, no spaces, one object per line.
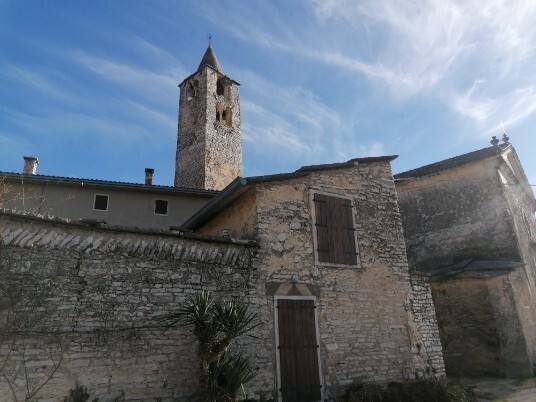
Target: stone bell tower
{"x":209,"y":143}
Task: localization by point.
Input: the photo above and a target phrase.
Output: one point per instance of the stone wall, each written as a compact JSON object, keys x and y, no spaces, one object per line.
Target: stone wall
{"x":365,"y":318}
{"x":87,"y":306}
{"x":480,"y":211}
{"x":426,"y":324}
{"x":455,"y":215}
{"x":468,"y":327}
{"x":372,"y":327}
{"x":522,"y":206}
{"x":243,"y":228}
{"x":481,"y":332}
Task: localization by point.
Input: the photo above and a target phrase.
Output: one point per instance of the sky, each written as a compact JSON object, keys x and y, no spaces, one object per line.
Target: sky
{"x":91,"y":87}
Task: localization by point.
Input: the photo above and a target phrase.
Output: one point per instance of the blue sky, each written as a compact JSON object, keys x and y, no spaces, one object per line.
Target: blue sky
{"x":90,"y":87}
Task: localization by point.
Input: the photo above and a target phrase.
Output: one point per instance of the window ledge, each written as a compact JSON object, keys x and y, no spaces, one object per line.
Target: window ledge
{"x":337,"y":265}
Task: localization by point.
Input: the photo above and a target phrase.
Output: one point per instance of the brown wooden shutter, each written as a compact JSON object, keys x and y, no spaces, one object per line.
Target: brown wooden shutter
{"x":324,"y":246}
{"x":335,"y":230}
{"x":298,"y":351}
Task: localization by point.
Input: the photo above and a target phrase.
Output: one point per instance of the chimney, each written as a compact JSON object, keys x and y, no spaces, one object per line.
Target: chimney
{"x":149,"y":176}
{"x":30,"y":164}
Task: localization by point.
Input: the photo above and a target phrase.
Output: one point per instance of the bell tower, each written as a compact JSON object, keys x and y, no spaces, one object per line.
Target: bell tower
{"x":209,"y":143}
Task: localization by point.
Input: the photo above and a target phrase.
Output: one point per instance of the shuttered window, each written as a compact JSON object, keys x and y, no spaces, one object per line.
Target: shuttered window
{"x":335,"y":231}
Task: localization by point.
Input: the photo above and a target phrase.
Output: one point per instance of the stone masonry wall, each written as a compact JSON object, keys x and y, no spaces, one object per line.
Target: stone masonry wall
{"x":468,"y":327}
{"x":481,"y":330}
{"x":367,"y":328}
{"x":223,"y":157}
{"x":372,"y":328}
{"x":513,"y":308}
{"x":193,"y":115}
{"x":456,"y":215}
{"x":209,"y":152}
{"x":483,"y":211}
{"x":243,"y":228}
{"x":522,"y":206}
{"x":426,"y":324}
{"x":86,"y":306}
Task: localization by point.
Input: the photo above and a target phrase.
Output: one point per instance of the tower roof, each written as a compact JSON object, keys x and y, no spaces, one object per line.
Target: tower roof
{"x":210,"y":59}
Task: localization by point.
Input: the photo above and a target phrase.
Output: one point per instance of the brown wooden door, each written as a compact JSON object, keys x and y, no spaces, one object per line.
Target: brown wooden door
{"x":298,"y":351}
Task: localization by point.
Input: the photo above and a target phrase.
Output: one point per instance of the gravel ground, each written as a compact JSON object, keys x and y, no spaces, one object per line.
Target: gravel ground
{"x":507,"y":390}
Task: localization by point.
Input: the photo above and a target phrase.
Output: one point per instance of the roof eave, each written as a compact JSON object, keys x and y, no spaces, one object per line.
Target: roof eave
{"x":451,"y":163}
{"x":224,"y":198}
{"x":212,"y":68}
{"x":101,"y":184}
{"x":350,"y":163}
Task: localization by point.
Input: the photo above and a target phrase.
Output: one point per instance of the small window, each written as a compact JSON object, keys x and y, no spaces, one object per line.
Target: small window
{"x":192,"y":89}
{"x":220,"y":87}
{"x":189,"y":91}
{"x":161,"y":207}
{"x":101,"y":202}
{"x":334,"y":230}
{"x":220,"y":113}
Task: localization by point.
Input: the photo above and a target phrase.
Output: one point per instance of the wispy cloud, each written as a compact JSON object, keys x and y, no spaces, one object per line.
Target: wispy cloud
{"x":156,"y":55}
{"x":46,"y":82}
{"x":11,"y":148}
{"x":353,"y":149}
{"x":471,"y":105}
{"x":292,"y":120}
{"x":515,"y":106}
{"x":108,"y":116}
{"x":437,"y":46}
{"x":467,"y":54}
{"x":269,"y":131}
{"x":160,"y":87}
{"x":165,"y":125}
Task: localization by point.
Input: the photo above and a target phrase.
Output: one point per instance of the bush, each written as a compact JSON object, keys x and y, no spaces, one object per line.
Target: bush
{"x":79,"y":394}
{"x":424,"y":390}
{"x":216,"y":324}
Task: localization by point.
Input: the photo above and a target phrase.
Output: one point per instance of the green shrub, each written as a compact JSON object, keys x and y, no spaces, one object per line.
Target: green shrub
{"x":423,"y":390}
{"x":79,"y":394}
{"x":216,"y":324}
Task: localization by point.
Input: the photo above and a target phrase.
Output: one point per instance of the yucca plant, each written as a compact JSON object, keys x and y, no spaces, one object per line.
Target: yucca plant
{"x":216,"y":324}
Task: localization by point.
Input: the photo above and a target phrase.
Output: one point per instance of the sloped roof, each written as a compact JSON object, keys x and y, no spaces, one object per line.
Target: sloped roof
{"x":95,"y":183}
{"x":210,"y":59}
{"x":240,"y":185}
{"x":450,"y":163}
{"x":330,"y":166}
